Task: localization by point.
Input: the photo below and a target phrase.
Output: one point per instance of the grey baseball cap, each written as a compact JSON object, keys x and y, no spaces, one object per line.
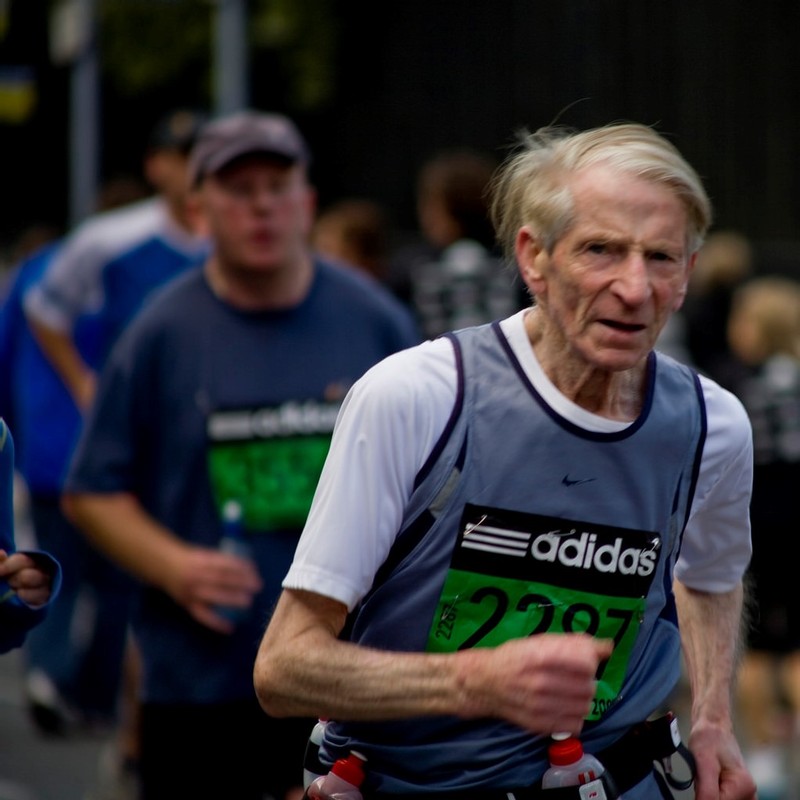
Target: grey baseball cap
{"x":245,"y":133}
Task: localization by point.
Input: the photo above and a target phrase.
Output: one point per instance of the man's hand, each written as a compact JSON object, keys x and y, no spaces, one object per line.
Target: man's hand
{"x":721,"y":772}
{"x":205,"y":578}
{"x":31,"y":583}
{"x":544,"y":683}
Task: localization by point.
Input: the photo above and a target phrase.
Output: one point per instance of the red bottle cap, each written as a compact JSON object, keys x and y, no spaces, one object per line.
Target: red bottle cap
{"x":350,"y":769}
{"x":567,"y":751}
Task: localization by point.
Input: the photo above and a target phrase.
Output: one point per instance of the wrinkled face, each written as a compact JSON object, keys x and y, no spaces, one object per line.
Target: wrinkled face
{"x":258,"y":212}
{"x":616,"y":275}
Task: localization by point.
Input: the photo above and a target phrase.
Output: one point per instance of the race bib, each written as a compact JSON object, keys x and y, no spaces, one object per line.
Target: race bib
{"x":270,"y":460}
{"x":514,"y":574}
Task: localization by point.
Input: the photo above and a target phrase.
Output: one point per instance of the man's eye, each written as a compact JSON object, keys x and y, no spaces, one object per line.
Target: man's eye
{"x":237,"y":188}
{"x":599,"y":248}
{"x":658,"y":256}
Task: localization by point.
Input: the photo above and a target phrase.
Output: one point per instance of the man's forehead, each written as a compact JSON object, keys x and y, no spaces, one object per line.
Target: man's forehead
{"x":611,"y":206}
{"x":600,"y":189}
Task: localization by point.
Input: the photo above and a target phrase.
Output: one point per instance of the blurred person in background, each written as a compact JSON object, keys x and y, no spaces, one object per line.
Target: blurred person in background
{"x":46,"y":423}
{"x":33,"y":397}
{"x":457,"y":279}
{"x":112,"y":261}
{"x":724,"y":262}
{"x":354,"y":231}
{"x":29,"y":580}
{"x":225,"y":389}
{"x":764,"y":334}
{"x":77,"y":299}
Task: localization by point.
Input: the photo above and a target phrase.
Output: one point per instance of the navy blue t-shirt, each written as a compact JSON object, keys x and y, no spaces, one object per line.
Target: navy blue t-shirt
{"x":202,"y":403}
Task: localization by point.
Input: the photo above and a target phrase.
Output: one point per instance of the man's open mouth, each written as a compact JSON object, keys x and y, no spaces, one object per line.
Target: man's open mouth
{"x":627,"y":327}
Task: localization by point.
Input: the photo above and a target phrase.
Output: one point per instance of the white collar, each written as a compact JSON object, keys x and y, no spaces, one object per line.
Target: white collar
{"x":514,"y":330}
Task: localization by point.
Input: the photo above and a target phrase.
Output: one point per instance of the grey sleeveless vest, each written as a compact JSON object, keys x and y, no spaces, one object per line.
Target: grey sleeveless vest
{"x":516,"y":506}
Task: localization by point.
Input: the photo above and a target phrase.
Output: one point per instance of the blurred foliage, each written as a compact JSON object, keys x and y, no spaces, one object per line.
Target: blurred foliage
{"x":145,"y":44}
{"x":148,"y":43}
{"x":304,"y":35}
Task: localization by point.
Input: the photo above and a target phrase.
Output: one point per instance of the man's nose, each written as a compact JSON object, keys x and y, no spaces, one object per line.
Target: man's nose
{"x":633,"y":281}
{"x":262,"y":197}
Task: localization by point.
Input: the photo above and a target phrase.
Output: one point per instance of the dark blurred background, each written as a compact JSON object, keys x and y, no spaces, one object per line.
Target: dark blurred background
{"x":379,"y":86}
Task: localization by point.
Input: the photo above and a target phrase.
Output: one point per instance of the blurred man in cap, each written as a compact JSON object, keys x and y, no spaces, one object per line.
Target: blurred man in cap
{"x":223,"y":394}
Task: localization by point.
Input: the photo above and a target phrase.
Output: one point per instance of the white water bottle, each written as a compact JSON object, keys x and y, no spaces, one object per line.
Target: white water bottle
{"x":343,"y":782}
{"x":312,"y":766}
{"x":570,"y":766}
{"x":234,"y":540}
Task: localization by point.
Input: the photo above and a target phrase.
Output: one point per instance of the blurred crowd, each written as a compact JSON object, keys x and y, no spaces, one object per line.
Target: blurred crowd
{"x":740,"y":324}
{"x":96,"y":395}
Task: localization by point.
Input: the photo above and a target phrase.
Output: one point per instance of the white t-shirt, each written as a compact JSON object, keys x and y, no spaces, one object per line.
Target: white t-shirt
{"x":393,"y":417}
{"x":73,"y":282}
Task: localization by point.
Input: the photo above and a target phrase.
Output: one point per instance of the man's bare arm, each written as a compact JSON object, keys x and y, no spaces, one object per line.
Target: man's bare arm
{"x":710,"y":634}
{"x":542,"y":683}
{"x":198,"y":578}
{"x":710,"y":627}
{"x":59,"y":349}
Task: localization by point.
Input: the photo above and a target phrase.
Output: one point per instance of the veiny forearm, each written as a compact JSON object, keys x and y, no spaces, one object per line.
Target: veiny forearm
{"x":307,"y":671}
{"x":542,"y":683}
{"x":711,"y":634}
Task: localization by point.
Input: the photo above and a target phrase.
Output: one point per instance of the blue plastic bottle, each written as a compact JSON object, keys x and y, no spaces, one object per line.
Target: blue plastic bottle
{"x":234,"y":540}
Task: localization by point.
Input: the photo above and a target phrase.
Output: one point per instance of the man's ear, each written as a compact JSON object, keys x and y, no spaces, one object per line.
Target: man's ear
{"x":151,"y":168}
{"x":529,"y":254}
{"x":195,"y":215}
{"x":682,"y":293}
{"x":311,"y":207}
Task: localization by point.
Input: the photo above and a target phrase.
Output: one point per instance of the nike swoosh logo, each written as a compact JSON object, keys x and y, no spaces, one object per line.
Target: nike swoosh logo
{"x":567,"y":482}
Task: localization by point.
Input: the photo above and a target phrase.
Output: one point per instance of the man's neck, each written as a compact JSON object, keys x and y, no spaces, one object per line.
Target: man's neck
{"x":251,"y":290}
{"x":616,"y":395}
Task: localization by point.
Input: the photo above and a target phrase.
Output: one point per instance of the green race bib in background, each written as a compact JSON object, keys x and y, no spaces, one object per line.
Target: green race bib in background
{"x":270,"y":460}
